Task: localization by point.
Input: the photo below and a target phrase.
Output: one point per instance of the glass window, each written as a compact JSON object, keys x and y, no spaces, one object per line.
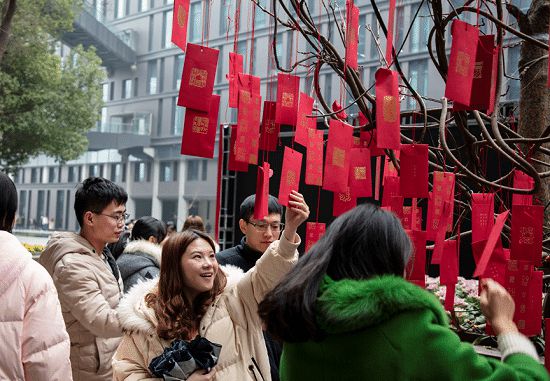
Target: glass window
{"x":143,"y":5}
{"x":421,"y":28}
{"x":53,"y":174}
{"x":127,"y":88}
{"x":400,"y":27}
{"x":373,"y":38}
{"x":327,"y":94}
{"x":522,"y":4}
{"x":105,"y":88}
{"x":219,"y":72}
{"x":140,"y":171}
{"x":259,"y":20}
{"x":35,"y":175}
{"x":418,"y":74}
{"x":241,"y":49}
{"x":120,"y":8}
{"x":227,"y":13}
{"x":513,"y":71}
{"x":167,"y":29}
{"x":204,"y":169}
{"x":60,"y":205}
{"x":195,"y":22}
{"x":362,"y":40}
{"x":112,"y":89}
{"x":193,"y":170}
{"x":168,"y":171}
{"x":178,"y":69}
{"x":151,"y":28}
{"x":116,"y":172}
{"x":289,"y":48}
{"x":152,"y":79}
{"x":178,"y":117}
{"x":18,"y":176}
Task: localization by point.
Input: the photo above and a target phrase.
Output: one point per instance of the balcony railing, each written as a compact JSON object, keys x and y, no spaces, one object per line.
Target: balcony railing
{"x":124,"y":128}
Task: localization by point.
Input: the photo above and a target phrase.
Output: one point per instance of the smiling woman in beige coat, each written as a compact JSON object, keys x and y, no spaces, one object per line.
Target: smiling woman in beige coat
{"x":224,"y":310}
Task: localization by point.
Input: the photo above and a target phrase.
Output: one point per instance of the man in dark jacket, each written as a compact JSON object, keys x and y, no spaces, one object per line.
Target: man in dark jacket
{"x":258,"y":235}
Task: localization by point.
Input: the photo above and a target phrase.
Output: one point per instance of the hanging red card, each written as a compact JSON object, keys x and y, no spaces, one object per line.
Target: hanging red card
{"x":443,"y":190}
{"x":448,"y":269}
{"x":368,"y":138}
{"x":450,"y":291}
{"x":360,"y":172}
{"x":494,"y":75}
{"x":262,"y":192}
{"x":235,"y":67}
{"x":248,"y":122}
{"x":314,"y":231}
{"x":290,"y":174}
{"x":440,"y":234}
{"x":412,"y":218}
{"x":481,"y":97}
{"x":249,"y":83}
{"x":496,"y":268}
{"x":269,"y":129}
{"x":288,"y":87}
{"x":416,"y":267}
{"x":387,"y":109}
{"x":314,"y":158}
{"x":494,"y":236}
{"x":389,"y":168}
{"x":533,"y":324}
{"x":462,"y":62}
{"x":197,"y":79}
{"x":482,"y":215}
{"x":340,"y":140}
{"x":414,"y":170}
{"x":199,"y":130}
{"x":339,"y":110}
{"x":547,"y":320}
{"x":391,"y":189}
{"x":303,"y":123}
{"x":526,"y":236}
{"x":522,"y":181}
{"x":235,"y":151}
{"x":525,"y":286}
{"x":352,"y":34}
{"x":343,"y":201}
{"x":180,"y":16}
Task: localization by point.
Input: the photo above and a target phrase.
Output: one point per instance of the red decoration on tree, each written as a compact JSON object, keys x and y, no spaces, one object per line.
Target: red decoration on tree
{"x":235,"y":151}
{"x":314,"y":158}
{"x":522,"y":181}
{"x":262,"y":192}
{"x":197,"y":79}
{"x":337,"y":158}
{"x":462,"y":62}
{"x":314,"y":231}
{"x":288,"y":87}
{"x":269,"y":129}
{"x":352,"y":34}
{"x":360,"y":172}
{"x":290,"y":174}
{"x":199,"y":130}
{"x":414,"y":170}
{"x":180,"y":17}
{"x":416,"y":267}
{"x":443,"y":190}
{"x":525,"y":286}
{"x":482,"y":215}
{"x":494,"y":236}
{"x":368,"y":138}
{"x":387,"y":109}
{"x":337,"y":108}
{"x":235,"y":67}
{"x":343,"y":201}
{"x":526,"y":235}
{"x":391,"y":189}
{"x":448,"y":272}
{"x":248,"y":122}
{"x":412,"y":218}
{"x":303,"y":123}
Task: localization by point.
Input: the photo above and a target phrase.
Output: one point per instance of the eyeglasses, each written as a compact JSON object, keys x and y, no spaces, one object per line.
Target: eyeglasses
{"x":262,"y":226}
{"x":119,"y":218}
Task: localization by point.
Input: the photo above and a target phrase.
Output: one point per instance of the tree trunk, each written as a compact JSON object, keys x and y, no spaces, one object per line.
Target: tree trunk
{"x":5,"y":28}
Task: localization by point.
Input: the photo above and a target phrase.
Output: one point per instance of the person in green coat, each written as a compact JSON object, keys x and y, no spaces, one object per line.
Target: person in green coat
{"x":345,"y":312}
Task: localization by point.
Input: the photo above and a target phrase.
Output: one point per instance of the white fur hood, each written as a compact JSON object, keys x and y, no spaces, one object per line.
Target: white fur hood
{"x":136,"y":316}
{"x":144,"y":247}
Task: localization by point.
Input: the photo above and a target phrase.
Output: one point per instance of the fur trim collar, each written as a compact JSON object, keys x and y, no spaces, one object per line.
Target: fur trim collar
{"x":145,"y":247}
{"x":349,"y":305}
{"x":136,"y":316}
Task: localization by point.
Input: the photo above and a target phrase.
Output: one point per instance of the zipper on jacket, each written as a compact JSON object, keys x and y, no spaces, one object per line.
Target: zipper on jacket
{"x":255,"y":365}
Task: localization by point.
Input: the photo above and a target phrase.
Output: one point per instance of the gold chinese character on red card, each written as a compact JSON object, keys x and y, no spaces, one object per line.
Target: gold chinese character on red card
{"x":291,"y":178}
{"x":338,"y":157}
{"x":462,"y":63}
{"x":478,"y":70}
{"x":360,"y":173}
{"x":200,"y":125}
{"x":390,"y":109}
{"x":198,"y":77}
{"x":288,"y":99}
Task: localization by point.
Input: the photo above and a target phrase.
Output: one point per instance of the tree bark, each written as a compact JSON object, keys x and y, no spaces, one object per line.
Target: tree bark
{"x":5,"y":28}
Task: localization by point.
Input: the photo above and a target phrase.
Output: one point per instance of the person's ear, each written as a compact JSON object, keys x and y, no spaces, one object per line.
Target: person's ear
{"x":88,"y":218}
{"x":243,"y":226}
{"x":152,"y":239}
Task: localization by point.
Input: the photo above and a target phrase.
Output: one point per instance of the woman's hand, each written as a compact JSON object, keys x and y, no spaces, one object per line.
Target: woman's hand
{"x":200,"y":375}
{"x":498,"y":307}
{"x":296,"y":213}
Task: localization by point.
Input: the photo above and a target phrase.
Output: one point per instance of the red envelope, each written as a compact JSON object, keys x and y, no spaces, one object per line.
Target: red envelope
{"x":388,"y":121}
{"x":448,"y":269}
{"x":248,"y":122}
{"x":314,"y":231}
{"x":269,"y":129}
{"x":526,"y":236}
{"x":496,"y":268}
{"x":236,"y":151}
{"x":481,"y":97}
{"x":249,"y":83}
{"x":340,"y":140}
{"x":462,"y":62}
{"x":450,"y":296}
{"x":494,"y":74}
{"x":235,"y":67}
{"x":352,"y":34}
{"x":525,"y":286}
{"x":443,"y":190}
{"x":410,"y":220}
{"x":439,"y":245}
{"x":199,"y":130}
{"x":369,"y":140}
{"x":360,"y":172}
{"x":416,"y":267}
{"x":180,"y":16}
{"x":262,"y":192}
{"x":197,"y":79}
{"x":396,"y":206}
{"x":414,"y":170}
{"x":494,"y":236}
{"x":522,"y":181}
{"x":362,"y":119}
{"x":290,"y":174}
{"x":391,"y":189}
{"x":288,"y":87}
{"x":305,"y":108}
{"x":483,"y":207}
{"x":389,"y":168}
{"x":533,"y":325}
{"x":314,"y":158}
{"x":343,"y":201}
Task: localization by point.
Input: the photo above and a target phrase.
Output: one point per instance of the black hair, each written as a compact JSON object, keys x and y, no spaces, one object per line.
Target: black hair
{"x":8,"y":202}
{"x":247,"y":207}
{"x":366,"y":241}
{"x":95,"y":194}
{"x":118,"y":247}
{"x":148,"y":226}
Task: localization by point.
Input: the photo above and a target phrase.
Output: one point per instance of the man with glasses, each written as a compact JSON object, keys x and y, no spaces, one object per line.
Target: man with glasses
{"x":87,"y":278}
{"x":258,"y":235}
